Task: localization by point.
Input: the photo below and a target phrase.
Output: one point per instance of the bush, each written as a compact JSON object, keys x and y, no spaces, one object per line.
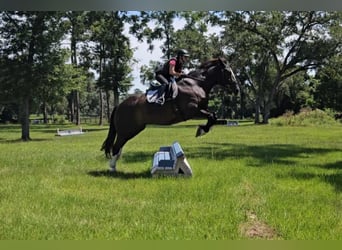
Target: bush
{"x":306,"y":117}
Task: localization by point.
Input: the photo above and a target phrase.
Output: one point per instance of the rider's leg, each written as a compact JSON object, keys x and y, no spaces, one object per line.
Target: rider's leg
{"x":161,"y":79}
{"x":169,"y":92}
{"x":164,"y":81}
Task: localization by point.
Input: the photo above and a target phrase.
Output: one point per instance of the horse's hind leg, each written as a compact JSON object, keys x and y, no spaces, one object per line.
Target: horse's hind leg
{"x":117,"y":149}
{"x":112,"y":162}
{"x":119,"y":143}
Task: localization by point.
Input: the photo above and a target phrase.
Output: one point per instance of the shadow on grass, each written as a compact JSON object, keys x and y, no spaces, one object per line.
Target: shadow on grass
{"x":287,"y":155}
{"x":137,"y":156}
{"x":120,"y":174}
{"x":262,"y":155}
{"x":333,"y":165}
{"x":6,"y":141}
{"x":333,"y":179}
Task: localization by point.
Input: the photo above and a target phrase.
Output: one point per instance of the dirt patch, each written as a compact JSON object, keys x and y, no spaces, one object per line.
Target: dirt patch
{"x":254,"y":228}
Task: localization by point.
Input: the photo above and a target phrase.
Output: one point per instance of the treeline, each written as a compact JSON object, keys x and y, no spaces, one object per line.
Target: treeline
{"x":80,"y":63}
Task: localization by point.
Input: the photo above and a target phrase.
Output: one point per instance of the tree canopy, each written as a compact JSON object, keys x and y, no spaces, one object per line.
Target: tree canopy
{"x":82,"y":61}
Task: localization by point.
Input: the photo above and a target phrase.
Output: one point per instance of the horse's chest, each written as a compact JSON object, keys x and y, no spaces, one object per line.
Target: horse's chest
{"x":199,"y":93}
{"x":200,"y":98}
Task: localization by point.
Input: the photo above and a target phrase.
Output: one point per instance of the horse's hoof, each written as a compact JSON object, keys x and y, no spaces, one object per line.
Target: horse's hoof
{"x":112,"y":165}
{"x":112,"y":170}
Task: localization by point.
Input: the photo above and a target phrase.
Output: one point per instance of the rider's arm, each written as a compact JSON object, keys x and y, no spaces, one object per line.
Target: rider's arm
{"x":172,"y":69}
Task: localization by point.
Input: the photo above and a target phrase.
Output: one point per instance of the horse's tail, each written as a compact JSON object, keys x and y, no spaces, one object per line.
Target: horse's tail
{"x":108,"y":143}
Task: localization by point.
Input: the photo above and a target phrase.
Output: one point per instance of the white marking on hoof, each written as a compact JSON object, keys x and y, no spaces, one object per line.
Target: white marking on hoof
{"x":112,"y":164}
{"x":112,"y":170}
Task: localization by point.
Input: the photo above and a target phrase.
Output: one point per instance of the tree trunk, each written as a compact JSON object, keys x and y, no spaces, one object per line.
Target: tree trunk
{"x":45,"y":116}
{"x":77,"y":108}
{"x":71,"y":107}
{"x":76,"y":94}
{"x":269,"y":102}
{"x":108,"y":105}
{"x":101,"y":108}
{"x":25,"y":119}
{"x":242,"y":105}
{"x":257,"y":111}
{"x":266,"y":113}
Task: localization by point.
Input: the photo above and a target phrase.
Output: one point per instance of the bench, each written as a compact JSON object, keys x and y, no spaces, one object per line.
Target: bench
{"x":170,"y":160}
{"x":226,"y":122}
{"x":232,"y":123}
{"x":69,"y":132}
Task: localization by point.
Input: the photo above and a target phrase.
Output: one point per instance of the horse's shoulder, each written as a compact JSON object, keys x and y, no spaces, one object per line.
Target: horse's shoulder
{"x":134,"y":99}
{"x":190,"y":87}
{"x":188,"y":82}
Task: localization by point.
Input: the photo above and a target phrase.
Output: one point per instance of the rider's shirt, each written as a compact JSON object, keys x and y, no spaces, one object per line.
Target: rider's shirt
{"x":165,"y":69}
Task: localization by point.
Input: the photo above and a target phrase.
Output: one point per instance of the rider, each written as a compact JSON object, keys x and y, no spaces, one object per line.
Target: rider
{"x":172,"y":69}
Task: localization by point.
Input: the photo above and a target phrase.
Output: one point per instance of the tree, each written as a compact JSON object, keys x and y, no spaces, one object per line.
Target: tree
{"x":31,"y":39}
{"x":59,"y":82}
{"x":113,"y":55}
{"x":270,"y":47}
{"x":77,"y":32}
{"x":294,"y":94}
{"x":193,"y":37}
{"x":328,"y":93}
{"x":163,"y":30}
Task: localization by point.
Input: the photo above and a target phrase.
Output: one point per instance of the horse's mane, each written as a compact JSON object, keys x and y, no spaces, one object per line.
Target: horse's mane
{"x":211,"y":62}
{"x":206,"y":65}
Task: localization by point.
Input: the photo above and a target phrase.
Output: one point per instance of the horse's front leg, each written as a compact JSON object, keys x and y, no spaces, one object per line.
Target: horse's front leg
{"x":203,"y":129}
{"x":113,"y":160}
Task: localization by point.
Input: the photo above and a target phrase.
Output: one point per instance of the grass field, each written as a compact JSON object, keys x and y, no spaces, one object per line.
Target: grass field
{"x":249,"y":181}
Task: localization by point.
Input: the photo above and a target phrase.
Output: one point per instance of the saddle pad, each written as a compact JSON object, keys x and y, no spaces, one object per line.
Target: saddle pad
{"x":155,"y":96}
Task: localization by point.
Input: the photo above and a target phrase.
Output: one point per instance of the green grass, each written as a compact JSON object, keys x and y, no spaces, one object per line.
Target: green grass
{"x":249,"y":182}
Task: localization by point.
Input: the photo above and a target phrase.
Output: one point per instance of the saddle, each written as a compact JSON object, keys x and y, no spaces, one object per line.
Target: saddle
{"x":161,"y":93}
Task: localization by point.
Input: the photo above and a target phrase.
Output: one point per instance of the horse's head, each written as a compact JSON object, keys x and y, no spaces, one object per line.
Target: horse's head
{"x":228,"y":77}
{"x":220,"y":73}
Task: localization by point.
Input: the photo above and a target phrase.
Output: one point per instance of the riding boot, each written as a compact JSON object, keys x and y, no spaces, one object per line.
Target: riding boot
{"x":168,"y":93}
{"x":172,"y":93}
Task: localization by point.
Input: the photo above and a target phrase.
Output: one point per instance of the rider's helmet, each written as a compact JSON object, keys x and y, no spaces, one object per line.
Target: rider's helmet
{"x":183,"y":52}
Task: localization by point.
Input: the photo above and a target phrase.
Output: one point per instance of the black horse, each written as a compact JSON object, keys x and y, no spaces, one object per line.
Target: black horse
{"x":132,"y":115}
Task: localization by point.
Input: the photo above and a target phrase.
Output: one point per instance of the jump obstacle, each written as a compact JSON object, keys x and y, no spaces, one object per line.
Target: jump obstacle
{"x":170,"y":161}
{"x":69,"y":132}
